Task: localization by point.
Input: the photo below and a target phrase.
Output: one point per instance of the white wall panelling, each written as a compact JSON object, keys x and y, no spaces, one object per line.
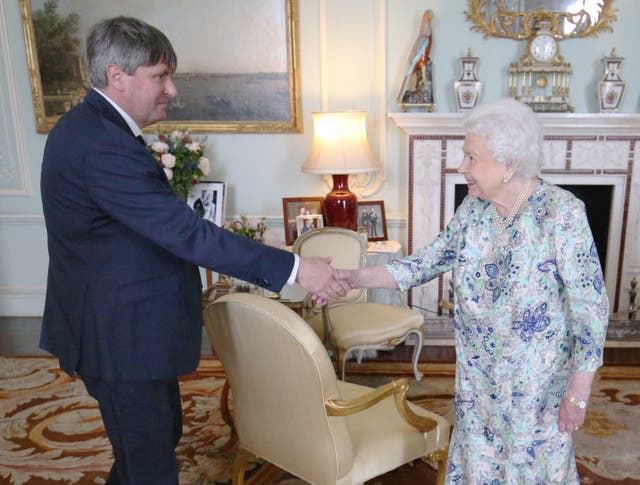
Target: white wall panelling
{"x":352,"y":74}
{"x":14,"y":174}
{"x":21,"y":289}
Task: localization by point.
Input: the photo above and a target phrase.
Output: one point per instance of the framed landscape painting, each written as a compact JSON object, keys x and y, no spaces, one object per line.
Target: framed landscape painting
{"x":237,"y":61}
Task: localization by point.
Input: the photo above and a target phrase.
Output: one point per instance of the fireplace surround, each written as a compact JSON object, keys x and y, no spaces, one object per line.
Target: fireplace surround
{"x":580,"y":149}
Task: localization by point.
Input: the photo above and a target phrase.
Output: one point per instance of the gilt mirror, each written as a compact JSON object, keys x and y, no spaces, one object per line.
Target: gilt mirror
{"x":518,"y":19}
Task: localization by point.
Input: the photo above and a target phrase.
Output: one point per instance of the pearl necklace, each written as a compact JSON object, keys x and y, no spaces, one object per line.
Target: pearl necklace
{"x":502,"y":223}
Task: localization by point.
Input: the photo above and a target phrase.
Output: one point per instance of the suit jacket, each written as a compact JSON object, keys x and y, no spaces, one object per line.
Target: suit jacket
{"x":123,"y":288}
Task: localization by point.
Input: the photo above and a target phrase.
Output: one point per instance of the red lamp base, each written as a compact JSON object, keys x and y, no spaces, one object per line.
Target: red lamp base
{"x":341,"y":205}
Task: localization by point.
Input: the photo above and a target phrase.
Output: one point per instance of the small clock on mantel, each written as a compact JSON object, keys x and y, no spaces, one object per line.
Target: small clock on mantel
{"x":541,"y":77}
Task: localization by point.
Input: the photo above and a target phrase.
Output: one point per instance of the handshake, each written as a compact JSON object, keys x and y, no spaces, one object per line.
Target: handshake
{"x":323,"y":281}
{"x":326,"y":283}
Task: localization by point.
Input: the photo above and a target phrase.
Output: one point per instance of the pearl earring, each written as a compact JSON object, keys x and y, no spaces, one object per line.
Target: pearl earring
{"x":505,"y":179}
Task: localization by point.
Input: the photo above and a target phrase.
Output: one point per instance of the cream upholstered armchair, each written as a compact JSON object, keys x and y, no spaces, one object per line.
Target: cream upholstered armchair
{"x":290,"y":409}
{"x":352,"y":323}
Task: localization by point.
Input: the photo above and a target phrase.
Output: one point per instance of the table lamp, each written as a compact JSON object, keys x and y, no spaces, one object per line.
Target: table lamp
{"x":340,"y":148}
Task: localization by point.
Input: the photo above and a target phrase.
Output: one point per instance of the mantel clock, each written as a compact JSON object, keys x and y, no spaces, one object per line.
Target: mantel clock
{"x":541,"y":77}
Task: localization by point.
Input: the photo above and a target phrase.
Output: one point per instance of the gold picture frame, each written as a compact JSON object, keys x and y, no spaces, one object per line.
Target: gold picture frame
{"x":257,"y":101}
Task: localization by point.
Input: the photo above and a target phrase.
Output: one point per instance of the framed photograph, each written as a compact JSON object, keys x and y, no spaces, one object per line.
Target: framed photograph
{"x":308,"y":223}
{"x":371,"y":216}
{"x":240,"y":77}
{"x":293,"y":207}
{"x":207,"y":200}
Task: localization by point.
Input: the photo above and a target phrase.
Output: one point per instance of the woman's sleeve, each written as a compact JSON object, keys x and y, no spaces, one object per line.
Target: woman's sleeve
{"x":585,"y":296}
{"x":427,"y":263}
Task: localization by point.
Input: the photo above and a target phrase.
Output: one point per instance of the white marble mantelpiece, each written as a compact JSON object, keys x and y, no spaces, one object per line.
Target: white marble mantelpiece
{"x":581,"y":149}
{"x":554,"y":123}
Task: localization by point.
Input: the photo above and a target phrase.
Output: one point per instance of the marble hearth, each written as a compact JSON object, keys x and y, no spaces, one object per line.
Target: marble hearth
{"x":580,"y":149}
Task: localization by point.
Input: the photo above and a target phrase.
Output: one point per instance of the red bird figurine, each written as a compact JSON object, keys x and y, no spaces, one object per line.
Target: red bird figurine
{"x":419,"y":56}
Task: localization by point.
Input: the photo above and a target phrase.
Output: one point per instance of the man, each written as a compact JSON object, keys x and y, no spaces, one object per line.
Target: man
{"x":123,"y":306}
{"x":373,"y":222}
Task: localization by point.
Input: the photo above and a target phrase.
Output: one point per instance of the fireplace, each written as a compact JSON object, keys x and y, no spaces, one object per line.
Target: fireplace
{"x":596,"y":156}
{"x":598,"y":200}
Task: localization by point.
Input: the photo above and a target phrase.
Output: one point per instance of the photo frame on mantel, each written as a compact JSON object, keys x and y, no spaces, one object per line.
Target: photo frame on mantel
{"x":223,"y":85}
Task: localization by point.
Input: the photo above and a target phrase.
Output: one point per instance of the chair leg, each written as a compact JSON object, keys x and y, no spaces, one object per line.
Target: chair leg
{"x":243,"y":457}
{"x":440,"y":457}
{"x":442,"y":465}
{"x":416,"y":353}
{"x":226,"y":417}
{"x":341,"y":361}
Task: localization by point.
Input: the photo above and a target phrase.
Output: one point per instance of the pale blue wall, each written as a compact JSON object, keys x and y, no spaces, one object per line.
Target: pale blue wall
{"x":452,"y":37}
{"x":261,"y":169}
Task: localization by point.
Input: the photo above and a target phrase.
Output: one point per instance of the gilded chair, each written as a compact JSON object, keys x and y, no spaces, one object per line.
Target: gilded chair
{"x":353,"y":324}
{"x":290,"y":410}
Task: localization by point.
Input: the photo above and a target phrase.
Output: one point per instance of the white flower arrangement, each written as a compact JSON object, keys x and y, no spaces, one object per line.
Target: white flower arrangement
{"x":182,"y":159}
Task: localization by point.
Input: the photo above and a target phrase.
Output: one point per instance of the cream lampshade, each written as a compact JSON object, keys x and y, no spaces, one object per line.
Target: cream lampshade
{"x":340,"y":148}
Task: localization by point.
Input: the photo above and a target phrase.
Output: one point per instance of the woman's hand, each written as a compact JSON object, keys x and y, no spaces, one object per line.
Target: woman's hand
{"x":373,"y":277}
{"x":570,"y":417}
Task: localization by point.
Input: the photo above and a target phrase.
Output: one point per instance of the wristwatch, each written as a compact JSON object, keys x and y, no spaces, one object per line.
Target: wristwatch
{"x":576,"y":402}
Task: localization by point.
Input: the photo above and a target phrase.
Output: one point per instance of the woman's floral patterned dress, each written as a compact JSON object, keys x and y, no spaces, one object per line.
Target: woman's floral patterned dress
{"x":530,"y":308}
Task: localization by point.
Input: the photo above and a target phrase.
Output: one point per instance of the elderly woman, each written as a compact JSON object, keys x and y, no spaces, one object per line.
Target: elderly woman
{"x":531,"y":310}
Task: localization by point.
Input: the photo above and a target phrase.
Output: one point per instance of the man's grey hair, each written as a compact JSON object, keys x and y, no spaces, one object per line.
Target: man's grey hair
{"x":513,"y":133}
{"x":128,"y":43}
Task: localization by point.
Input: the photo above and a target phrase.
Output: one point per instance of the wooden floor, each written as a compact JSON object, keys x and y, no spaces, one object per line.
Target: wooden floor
{"x":19,"y":336}
{"x":612,"y":356}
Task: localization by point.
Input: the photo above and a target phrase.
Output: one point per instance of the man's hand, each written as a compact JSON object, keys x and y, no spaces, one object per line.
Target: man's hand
{"x":316,"y":275}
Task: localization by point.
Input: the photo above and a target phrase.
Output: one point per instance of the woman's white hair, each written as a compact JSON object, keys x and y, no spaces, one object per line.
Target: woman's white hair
{"x":513,"y":133}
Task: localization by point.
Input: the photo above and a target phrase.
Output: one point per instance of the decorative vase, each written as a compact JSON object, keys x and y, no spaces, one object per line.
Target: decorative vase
{"x":611,"y":88}
{"x":467,"y":88}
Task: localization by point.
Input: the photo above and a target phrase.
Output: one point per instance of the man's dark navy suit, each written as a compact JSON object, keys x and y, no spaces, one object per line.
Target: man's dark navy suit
{"x":123,"y":290}
{"x":123,"y":297}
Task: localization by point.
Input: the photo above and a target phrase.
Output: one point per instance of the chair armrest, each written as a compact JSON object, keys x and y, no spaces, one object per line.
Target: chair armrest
{"x":308,"y":306}
{"x":398,"y":389}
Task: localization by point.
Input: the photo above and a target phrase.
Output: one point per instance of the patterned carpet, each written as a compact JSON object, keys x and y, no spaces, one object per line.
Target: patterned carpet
{"x":51,"y":431}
